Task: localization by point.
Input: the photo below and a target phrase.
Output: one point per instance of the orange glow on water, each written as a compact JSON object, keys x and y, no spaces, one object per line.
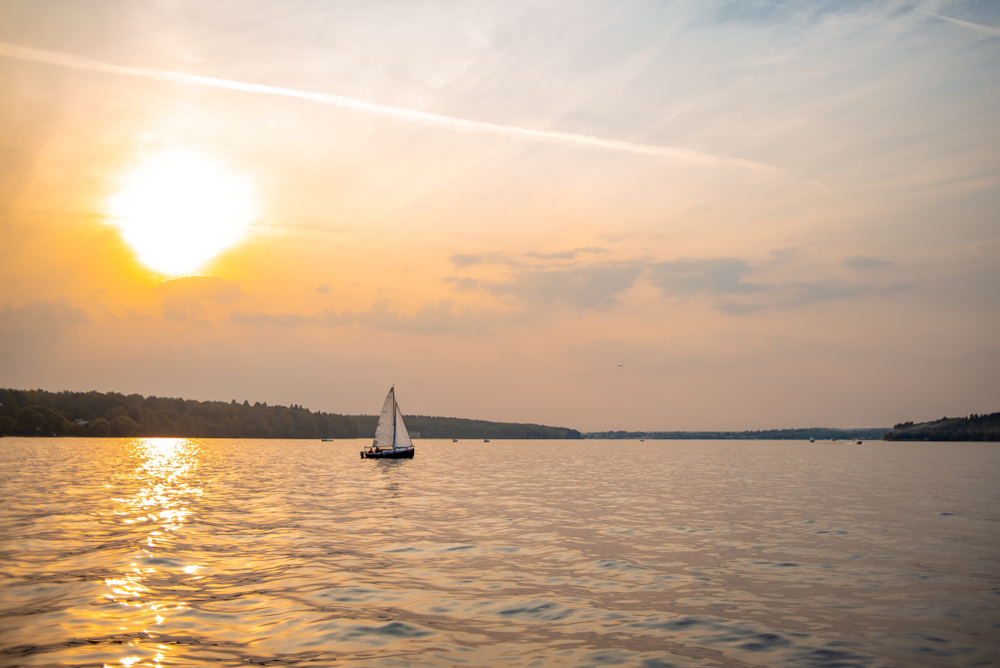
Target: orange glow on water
{"x":162,"y":480}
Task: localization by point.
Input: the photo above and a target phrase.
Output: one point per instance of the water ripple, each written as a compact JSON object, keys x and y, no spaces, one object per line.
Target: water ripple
{"x":175,"y":552}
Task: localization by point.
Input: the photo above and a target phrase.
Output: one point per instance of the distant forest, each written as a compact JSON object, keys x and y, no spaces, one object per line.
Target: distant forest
{"x":972,"y":428}
{"x":819,"y":433}
{"x":42,"y":413}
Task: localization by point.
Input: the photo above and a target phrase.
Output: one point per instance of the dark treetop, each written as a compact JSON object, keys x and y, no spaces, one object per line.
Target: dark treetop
{"x":972,"y":428}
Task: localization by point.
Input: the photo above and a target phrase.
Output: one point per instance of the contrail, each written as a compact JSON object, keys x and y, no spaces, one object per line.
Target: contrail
{"x":413,"y":115}
{"x":975,"y":26}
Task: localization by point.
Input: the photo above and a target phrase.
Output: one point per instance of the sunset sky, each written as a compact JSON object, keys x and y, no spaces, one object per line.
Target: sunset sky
{"x":602,"y":215}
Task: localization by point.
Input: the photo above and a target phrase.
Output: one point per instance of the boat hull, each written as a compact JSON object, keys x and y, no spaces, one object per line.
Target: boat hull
{"x":398,"y":453}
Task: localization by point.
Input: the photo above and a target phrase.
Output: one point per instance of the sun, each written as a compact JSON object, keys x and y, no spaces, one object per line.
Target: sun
{"x":179,"y":210}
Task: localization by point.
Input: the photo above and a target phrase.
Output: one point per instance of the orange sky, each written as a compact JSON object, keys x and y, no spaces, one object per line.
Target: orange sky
{"x":770,"y":217}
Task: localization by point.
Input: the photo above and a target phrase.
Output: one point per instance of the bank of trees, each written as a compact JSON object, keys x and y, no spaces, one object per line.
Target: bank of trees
{"x":818,"y":433}
{"x":42,"y":413}
{"x":463,"y":428}
{"x":972,"y":428}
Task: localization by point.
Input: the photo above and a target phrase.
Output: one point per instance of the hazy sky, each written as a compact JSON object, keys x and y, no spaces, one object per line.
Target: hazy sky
{"x":602,"y":215}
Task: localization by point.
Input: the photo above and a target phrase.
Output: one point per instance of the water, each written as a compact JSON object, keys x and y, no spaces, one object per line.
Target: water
{"x":176,"y":552}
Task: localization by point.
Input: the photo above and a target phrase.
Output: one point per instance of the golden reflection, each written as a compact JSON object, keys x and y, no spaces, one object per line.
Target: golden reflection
{"x":157,"y":506}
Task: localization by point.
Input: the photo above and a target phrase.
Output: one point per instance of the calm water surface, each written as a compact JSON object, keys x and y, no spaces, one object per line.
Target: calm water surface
{"x":177,"y":552}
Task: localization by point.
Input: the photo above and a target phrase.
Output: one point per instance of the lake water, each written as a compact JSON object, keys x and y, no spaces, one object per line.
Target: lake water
{"x":177,"y":552}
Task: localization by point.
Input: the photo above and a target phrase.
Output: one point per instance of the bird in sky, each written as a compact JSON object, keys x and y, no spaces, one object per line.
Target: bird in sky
{"x":622,"y":364}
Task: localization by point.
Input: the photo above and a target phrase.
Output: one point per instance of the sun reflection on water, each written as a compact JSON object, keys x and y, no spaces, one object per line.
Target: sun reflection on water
{"x":161,"y":490}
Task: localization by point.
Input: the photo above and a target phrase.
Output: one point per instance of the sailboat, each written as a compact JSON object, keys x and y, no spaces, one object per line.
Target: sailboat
{"x":392,"y":441}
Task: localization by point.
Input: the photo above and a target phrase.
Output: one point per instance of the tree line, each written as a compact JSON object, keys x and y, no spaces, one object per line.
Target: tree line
{"x":44,"y":413}
{"x":972,"y":428}
{"x":818,"y":433}
{"x":464,"y":428}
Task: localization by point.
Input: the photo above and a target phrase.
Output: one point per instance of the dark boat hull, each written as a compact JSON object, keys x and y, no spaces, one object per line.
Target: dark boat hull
{"x":402,"y":453}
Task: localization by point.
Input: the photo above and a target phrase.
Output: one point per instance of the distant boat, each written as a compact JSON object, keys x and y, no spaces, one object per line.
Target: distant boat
{"x":486,"y":440}
{"x":858,"y":441}
{"x":812,"y":440}
{"x":454,"y":440}
{"x":326,"y":440}
{"x":392,"y":441}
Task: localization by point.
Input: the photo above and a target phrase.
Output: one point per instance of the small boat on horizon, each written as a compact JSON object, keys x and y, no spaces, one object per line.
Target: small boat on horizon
{"x":392,"y":441}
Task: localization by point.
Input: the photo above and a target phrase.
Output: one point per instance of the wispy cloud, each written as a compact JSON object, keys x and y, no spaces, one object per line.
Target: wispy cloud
{"x":567,"y":255}
{"x":465,"y":260}
{"x":592,"y":286}
{"x":327,"y":318}
{"x":460,"y":283}
{"x":691,"y":276}
{"x":989,"y":30}
{"x":432,"y":318}
{"x":280,"y":319}
{"x":56,"y":313}
{"x":184,"y":297}
{"x":791,"y":295}
{"x":864,"y":263}
{"x":412,"y":115}
{"x":435,"y":317}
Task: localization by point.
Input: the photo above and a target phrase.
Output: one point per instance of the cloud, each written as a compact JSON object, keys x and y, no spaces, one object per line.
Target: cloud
{"x":578,"y":287}
{"x":327,"y":318}
{"x":77,"y":62}
{"x":331,"y":318}
{"x":48,"y":314}
{"x":781,"y":255}
{"x":862,"y":263}
{"x":438,"y":317}
{"x":724,"y":277}
{"x":461,"y":261}
{"x":567,"y":255}
{"x":789,"y":295}
{"x":799,"y":294}
{"x":989,"y":30}
{"x":323,"y":289}
{"x":183,"y":298}
{"x":716,"y":276}
{"x":733,"y":307}
{"x":280,"y":319}
{"x":460,"y":283}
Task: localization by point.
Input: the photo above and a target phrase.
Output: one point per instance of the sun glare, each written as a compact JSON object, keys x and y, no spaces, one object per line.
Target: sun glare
{"x":178,"y":211}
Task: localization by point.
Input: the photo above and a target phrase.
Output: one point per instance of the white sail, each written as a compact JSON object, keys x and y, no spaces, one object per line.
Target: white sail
{"x":391,"y":438}
{"x":386,"y":423}
{"x":402,"y":436}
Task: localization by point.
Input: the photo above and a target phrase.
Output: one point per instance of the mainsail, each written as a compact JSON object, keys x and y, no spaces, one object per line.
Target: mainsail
{"x":386,"y":422}
{"x":391,"y":432}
